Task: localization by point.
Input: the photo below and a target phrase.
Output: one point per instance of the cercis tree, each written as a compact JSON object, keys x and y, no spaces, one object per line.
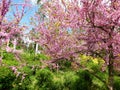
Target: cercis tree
{"x":101,"y":22}
{"x":97,"y":26}
{"x":57,"y":43}
{"x":10,"y":28}
{"x":4,"y":7}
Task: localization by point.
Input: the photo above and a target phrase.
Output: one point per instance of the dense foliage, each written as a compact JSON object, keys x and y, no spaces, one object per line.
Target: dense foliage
{"x":73,"y":45}
{"x":94,"y":25}
{"x":28,"y":74}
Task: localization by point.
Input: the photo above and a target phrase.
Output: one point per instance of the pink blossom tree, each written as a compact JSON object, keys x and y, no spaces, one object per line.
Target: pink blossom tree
{"x":4,"y":7}
{"x":57,"y":43}
{"x":97,"y":26}
{"x":10,"y":29}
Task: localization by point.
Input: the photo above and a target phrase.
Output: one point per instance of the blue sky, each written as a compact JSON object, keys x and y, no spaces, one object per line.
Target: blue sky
{"x":26,"y":19}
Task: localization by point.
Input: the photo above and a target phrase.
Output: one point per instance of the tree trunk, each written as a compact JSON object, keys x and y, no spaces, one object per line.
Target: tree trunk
{"x":110,"y":75}
{"x":111,"y":68}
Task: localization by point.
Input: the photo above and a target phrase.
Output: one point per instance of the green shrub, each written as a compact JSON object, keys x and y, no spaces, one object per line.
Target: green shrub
{"x":84,"y":82}
{"x":27,"y":70}
{"x":7,"y":78}
{"x":117,"y":83}
{"x":10,"y":62}
{"x":24,"y":84}
{"x":98,"y":85}
{"x":8,"y":56}
{"x":65,"y":65}
{"x":70,"y":79}
{"x":28,"y":56}
{"x":44,"y":79}
{"x":41,"y":57}
{"x":32,"y":56}
{"x":58,"y":81}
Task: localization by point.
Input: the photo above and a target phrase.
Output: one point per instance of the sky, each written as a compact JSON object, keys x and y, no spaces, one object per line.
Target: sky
{"x":26,"y":19}
{"x":33,"y":2}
